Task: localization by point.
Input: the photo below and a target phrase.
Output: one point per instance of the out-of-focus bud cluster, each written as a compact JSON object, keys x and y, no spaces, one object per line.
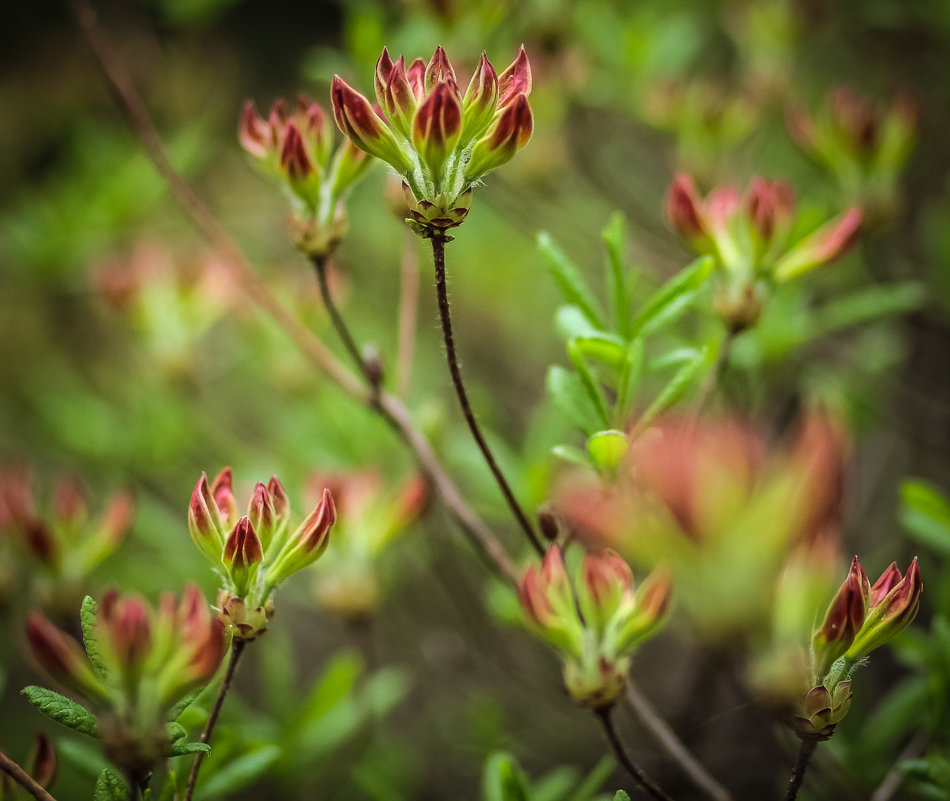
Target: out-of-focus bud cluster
{"x":63,"y":536}
{"x":256,"y":552}
{"x":595,"y":619}
{"x":722,"y":509}
{"x":748,"y":236}
{"x":371,"y":517}
{"x":295,"y":147}
{"x":438,"y":139}
{"x":862,"y":144}
{"x":41,"y":766}
{"x":138,"y":664}
{"x":170,"y":300}
{"x":859,"y":619}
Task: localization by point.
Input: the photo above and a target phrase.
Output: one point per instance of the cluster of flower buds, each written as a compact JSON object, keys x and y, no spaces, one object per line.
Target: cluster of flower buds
{"x":596,"y":622}
{"x":64,"y":538}
{"x":748,"y":236}
{"x":138,"y":664}
{"x":864,"y":145}
{"x":440,"y":141}
{"x":371,"y":517}
{"x":859,"y":619}
{"x":295,"y":147}
{"x":257,"y":552}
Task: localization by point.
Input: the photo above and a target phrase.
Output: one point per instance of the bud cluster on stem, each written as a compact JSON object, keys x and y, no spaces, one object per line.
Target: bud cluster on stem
{"x":438,"y":139}
{"x":256,"y":552}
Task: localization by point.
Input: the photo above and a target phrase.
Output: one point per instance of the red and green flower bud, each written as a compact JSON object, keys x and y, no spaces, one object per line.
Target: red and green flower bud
{"x":831,"y":241}
{"x":314,"y":127}
{"x":439,"y":72}
{"x":222,"y":490}
{"x":507,"y":135}
{"x":69,"y":503}
{"x":515,"y":80}
{"x":62,"y":657}
{"x":306,"y":544}
{"x":257,"y":137}
{"x":41,"y":543}
{"x":480,"y":101}
{"x":437,"y":128}
{"x":548,"y":603}
{"x":204,"y":521}
{"x":395,"y":94}
{"x":651,"y":608}
{"x":684,"y":211}
{"x":843,"y":620}
{"x":891,"y":613}
{"x":356,"y":118}
{"x":606,"y":589}
{"x":769,"y":207}
{"x":262,"y":515}
{"x":42,"y":762}
{"x":242,"y":556}
{"x":416,"y":75}
{"x":124,"y":633}
{"x":303,"y":176}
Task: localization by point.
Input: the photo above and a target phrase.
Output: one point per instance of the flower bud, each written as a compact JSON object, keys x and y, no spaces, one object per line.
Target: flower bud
{"x":892,"y":612}
{"x":306,"y":544}
{"x":769,"y":206}
{"x":62,"y":657}
{"x":684,"y":211}
{"x":204,"y":521}
{"x":256,"y":136}
{"x":357,"y":120}
{"x":222,"y":489}
{"x":246,"y":623}
{"x":508,"y":134}
{"x":831,"y":241}
{"x":515,"y":80}
{"x":843,"y":620}
{"x":439,"y":72}
{"x":124,"y":622}
{"x":821,"y":711}
{"x":394,"y":93}
{"x":302,"y":176}
{"x":261,"y":514}
{"x":651,"y":606}
{"x":42,"y":762}
{"x":242,"y":556}
{"x":437,"y":127}
{"x":481,"y":99}
{"x":68,"y":501}
{"x":607,"y":585}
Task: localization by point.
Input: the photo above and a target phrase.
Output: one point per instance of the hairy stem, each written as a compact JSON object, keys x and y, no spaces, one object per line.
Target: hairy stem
{"x":809,"y":744}
{"x":674,"y":747}
{"x":438,"y":258}
{"x":237,"y":648}
{"x":24,"y":779}
{"x":645,"y":783}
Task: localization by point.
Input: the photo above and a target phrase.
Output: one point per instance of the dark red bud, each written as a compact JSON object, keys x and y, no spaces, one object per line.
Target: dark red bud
{"x":515,"y":80}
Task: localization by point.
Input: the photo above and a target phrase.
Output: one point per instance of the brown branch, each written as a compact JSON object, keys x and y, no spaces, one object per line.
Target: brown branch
{"x":445,"y":315}
{"x":237,"y":648}
{"x":674,"y":747}
{"x":259,"y":293}
{"x":809,"y":744}
{"x":647,"y":784}
{"x":24,"y":779}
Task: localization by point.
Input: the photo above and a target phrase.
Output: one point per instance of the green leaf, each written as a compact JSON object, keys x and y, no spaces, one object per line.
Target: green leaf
{"x":621,"y":796}
{"x":175,"y":712}
{"x":675,"y":389}
{"x":672,"y":358}
{"x":870,"y":304}
{"x":63,"y":710}
{"x":571,"y":398}
{"x":609,"y":350}
{"x":607,"y":448}
{"x":177,"y":732}
{"x":110,"y":787}
{"x":571,"y":454}
{"x":502,"y":780}
{"x":169,"y":787}
{"x":180,"y":748}
{"x":241,"y":772}
{"x":569,"y":281}
{"x":925,"y":513}
{"x":87,"y":618}
{"x":570,"y":322}
{"x":590,"y":382}
{"x":629,"y":381}
{"x":615,"y":237}
{"x":685,"y":281}
{"x":595,"y":779}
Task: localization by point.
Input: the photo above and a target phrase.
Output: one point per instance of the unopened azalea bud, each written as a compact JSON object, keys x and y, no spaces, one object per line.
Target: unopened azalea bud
{"x":439,"y":71}
{"x":42,"y":762}
{"x":357,"y":120}
{"x":652,"y":603}
{"x":204,"y":521}
{"x":117,"y":517}
{"x":61,"y":656}
{"x":68,"y":501}
{"x":437,"y":127}
{"x":545,"y":592}
{"x":892,"y":612}
{"x":508,"y":134}
{"x":515,"y":80}
{"x":684,"y":210}
{"x":306,"y":544}
{"x":246,"y":622}
{"x":416,"y":75}
{"x":222,"y":489}
{"x":261,"y":514}
{"x":769,"y":207}
{"x":394,"y":93}
{"x":302,"y":176}
{"x":843,"y":620}
{"x":828,"y":243}
{"x":41,"y":543}
{"x":314,"y":128}
{"x":821,"y":711}
{"x":256,"y":136}
{"x":242,"y":556}
{"x":481,"y":99}
{"x":889,"y":579}
{"x":125,"y":624}
{"x":548,"y":524}
{"x":349,"y":164}
{"x":607,"y":585}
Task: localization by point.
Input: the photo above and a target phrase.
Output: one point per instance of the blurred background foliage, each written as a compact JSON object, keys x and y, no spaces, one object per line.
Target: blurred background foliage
{"x":129,"y":359}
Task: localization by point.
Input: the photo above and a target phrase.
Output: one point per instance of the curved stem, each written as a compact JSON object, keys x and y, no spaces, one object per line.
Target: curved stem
{"x":237,"y":648}
{"x":673,"y":746}
{"x":24,"y":779}
{"x":372,"y":376}
{"x":809,"y":744}
{"x":716,"y":373}
{"x":438,"y":258}
{"x":647,"y":784}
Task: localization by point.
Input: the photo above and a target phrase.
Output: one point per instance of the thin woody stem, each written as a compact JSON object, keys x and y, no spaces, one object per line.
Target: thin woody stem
{"x":673,"y":746}
{"x":645,"y":783}
{"x":809,"y":744}
{"x":237,"y":648}
{"x":24,"y":779}
{"x":438,"y":258}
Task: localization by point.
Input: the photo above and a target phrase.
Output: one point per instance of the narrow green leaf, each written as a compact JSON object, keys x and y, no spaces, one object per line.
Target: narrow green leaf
{"x":595,"y":779}
{"x":672,"y":358}
{"x":175,"y":712}
{"x":63,"y":710}
{"x":629,"y":381}
{"x":570,"y":322}
{"x":607,"y":349}
{"x":675,"y":389}
{"x":87,"y":618}
{"x":569,"y":281}
{"x":869,"y":304}
{"x":240,"y":773}
{"x":621,"y":796}
{"x":686,"y":280}
{"x":571,"y":454}
{"x":925,"y":513}
{"x":571,"y":398}
{"x":502,"y":780}
{"x":616,"y":239}
{"x":169,"y":787}
{"x":590,"y":382}
{"x":181,"y":748}
{"x":110,"y":787}
{"x":671,"y":312}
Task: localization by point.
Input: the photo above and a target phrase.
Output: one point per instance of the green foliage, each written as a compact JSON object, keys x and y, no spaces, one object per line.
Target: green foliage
{"x":87,"y":618}
{"x":110,"y":787}
{"x":63,"y":710}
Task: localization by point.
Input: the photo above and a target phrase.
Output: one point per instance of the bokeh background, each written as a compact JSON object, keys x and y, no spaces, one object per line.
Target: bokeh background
{"x":130,"y":359}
